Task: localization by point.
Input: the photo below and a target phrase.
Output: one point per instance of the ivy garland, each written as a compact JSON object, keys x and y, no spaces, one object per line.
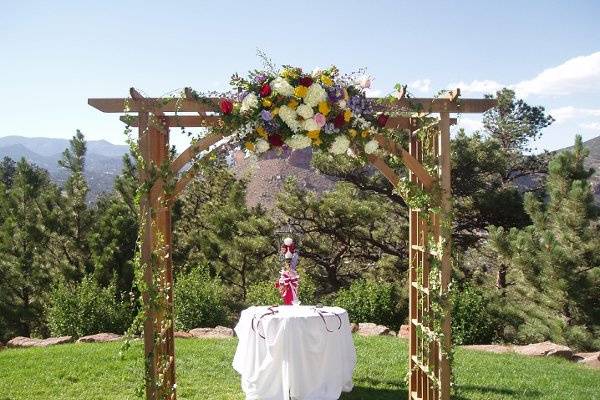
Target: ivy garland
{"x":154,"y":298}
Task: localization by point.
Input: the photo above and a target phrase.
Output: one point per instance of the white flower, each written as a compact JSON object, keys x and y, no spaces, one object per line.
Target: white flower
{"x":305,"y":111}
{"x":261,"y":145}
{"x":315,"y":95}
{"x":281,"y":86}
{"x":371,"y":146}
{"x":316,"y":72}
{"x":288,"y":116}
{"x":342,"y":104}
{"x":364,"y":82}
{"x":310,"y":125}
{"x":249,"y":102}
{"x":298,"y":141}
{"x":340,"y":145}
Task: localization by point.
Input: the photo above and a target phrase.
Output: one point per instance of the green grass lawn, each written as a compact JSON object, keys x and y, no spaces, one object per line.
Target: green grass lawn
{"x":95,"y":371}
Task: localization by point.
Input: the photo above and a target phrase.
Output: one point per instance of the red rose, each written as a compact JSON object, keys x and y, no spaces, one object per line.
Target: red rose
{"x":382,"y":119}
{"x":275,"y":140}
{"x":265,"y":90}
{"x":226,"y":106}
{"x":339,"y":121}
{"x":306,"y":81}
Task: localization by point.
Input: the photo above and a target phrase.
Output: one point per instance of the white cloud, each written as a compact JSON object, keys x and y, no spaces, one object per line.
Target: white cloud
{"x":594,"y":126}
{"x":469,"y":124}
{"x":576,"y":75}
{"x":563,"y":114}
{"x":477,"y":87}
{"x":420,"y":85}
{"x":373,"y":92}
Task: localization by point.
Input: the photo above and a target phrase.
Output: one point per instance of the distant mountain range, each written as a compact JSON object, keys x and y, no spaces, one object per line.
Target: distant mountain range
{"x":103,"y":160}
{"x":266,"y":176}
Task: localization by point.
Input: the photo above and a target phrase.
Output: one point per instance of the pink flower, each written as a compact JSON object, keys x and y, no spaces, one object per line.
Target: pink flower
{"x":365,"y":82}
{"x":320,"y":120}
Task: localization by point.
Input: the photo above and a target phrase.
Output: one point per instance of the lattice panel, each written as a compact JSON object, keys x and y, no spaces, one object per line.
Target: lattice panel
{"x":429,"y":276}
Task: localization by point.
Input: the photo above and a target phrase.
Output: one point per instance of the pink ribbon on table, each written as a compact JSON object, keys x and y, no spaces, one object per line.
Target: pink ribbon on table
{"x":288,"y":286}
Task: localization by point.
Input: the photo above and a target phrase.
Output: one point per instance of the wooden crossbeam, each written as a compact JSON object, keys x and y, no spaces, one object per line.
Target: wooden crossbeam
{"x":190,"y":152}
{"x":433,"y":105}
{"x":411,"y":162}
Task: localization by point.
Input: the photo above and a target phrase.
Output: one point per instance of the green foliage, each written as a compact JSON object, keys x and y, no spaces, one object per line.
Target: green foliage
{"x":557,"y":255}
{"x":370,"y":301}
{"x":87,"y":308}
{"x":345,"y":233}
{"x":28,"y":215}
{"x":200,"y":301}
{"x":263,"y":293}
{"x":473,"y":322}
{"x":216,"y":228}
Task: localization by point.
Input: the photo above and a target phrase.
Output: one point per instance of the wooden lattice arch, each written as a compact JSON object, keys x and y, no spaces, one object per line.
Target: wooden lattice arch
{"x":428,"y":360}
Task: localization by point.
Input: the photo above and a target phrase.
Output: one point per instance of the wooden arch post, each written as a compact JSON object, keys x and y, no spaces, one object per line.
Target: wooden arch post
{"x":428,"y":359}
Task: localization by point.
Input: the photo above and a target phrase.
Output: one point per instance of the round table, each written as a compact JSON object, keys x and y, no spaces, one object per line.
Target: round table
{"x":294,"y":352}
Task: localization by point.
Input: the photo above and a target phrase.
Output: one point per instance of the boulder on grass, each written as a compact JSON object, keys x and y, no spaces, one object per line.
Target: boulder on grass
{"x":100,"y":338}
{"x":371,"y":329}
{"x":22,"y":341}
{"x":589,"y":359}
{"x":491,"y":348}
{"x":182,"y":334}
{"x":53,"y":341}
{"x":404,"y":331}
{"x":218,"y":332}
{"x":545,"y":349}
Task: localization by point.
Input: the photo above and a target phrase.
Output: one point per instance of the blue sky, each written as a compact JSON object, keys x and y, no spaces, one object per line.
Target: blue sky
{"x":57,"y":54}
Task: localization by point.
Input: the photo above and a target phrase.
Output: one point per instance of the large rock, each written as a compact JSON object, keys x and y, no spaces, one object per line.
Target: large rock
{"x":545,"y":349}
{"x":22,"y":341}
{"x":371,"y":329}
{"x":589,"y":359}
{"x":219,"y":332}
{"x":53,"y":341}
{"x":182,"y":334}
{"x":492,"y":348}
{"x":404,"y":331}
{"x":99,"y":338}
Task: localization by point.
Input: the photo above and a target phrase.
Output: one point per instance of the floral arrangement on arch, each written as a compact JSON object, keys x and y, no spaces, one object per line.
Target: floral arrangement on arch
{"x":274,"y":109}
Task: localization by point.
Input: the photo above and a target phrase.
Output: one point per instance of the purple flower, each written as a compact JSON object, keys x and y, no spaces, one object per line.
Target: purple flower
{"x":260,"y":78}
{"x":359,"y":104}
{"x":335,"y":93}
{"x":329,"y":128}
{"x":272,"y":126}
{"x":266,"y":115}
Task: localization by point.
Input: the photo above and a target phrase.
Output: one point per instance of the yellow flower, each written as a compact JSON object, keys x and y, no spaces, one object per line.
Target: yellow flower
{"x":365,"y":133}
{"x":249,"y":146}
{"x":266,"y":103}
{"x":300,"y":91}
{"x":261,"y":132}
{"x":347,"y":115}
{"x":290,"y":73}
{"x":293,"y":104}
{"x":327,"y":81}
{"x":352,"y":132}
{"x":346,"y":96}
{"x":317,"y":141}
{"x":275,"y":111}
{"x":313,"y":134}
{"x":324,"y":108}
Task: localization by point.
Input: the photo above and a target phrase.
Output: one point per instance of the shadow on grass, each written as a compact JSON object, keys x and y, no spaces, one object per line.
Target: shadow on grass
{"x":506,"y":393}
{"x":370,"y":393}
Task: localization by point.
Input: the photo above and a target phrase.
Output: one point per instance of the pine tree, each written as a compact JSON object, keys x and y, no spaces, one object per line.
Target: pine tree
{"x":558,"y":255}
{"x":27,"y":216}
{"x":218,"y":231}
{"x":71,"y":239}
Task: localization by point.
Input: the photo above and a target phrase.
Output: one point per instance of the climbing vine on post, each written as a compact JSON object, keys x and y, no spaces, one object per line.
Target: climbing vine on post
{"x":293,"y":109}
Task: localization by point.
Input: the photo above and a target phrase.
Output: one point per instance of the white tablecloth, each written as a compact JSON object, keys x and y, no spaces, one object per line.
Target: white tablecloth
{"x":298,"y":357}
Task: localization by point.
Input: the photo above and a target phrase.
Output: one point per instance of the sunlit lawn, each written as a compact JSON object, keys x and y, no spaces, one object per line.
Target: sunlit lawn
{"x":95,"y":371}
